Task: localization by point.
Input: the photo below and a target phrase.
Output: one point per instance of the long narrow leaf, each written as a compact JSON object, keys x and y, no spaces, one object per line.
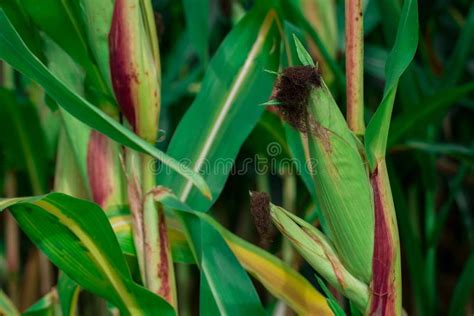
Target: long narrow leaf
{"x":227,"y":107}
{"x":47,"y":15}
{"x":463,"y":288}
{"x":6,"y":306}
{"x":228,"y":283}
{"x":398,"y":60}
{"x":61,"y":21}
{"x":25,"y":141}
{"x":14,"y":51}
{"x":68,"y":292}
{"x":77,"y":237}
{"x":196,"y":13}
{"x":457,"y":62}
{"x":45,"y":306}
{"x":283,"y":282}
{"x":279,"y":278}
{"x":426,"y":111}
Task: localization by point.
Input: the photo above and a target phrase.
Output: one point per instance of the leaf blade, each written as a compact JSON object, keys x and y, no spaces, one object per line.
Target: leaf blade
{"x":83,"y":245}
{"x":14,"y":51}
{"x":398,"y":60}
{"x":246,"y":52}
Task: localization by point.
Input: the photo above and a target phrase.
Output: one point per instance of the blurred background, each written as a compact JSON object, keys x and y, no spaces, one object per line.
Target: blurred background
{"x":430,"y":158}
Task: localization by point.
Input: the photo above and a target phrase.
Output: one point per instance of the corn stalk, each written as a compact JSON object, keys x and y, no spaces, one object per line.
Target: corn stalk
{"x":136,"y":78}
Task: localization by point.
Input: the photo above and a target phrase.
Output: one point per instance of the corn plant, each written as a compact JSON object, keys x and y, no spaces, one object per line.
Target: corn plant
{"x":139,"y":209}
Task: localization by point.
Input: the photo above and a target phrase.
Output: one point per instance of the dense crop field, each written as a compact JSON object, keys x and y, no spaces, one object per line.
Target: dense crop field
{"x":236,"y":157}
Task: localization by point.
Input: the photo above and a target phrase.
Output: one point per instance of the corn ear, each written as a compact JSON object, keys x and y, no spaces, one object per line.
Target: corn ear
{"x":135,"y":73}
{"x":342,"y":183}
{"x":105,"y":173}
{"x":134,"y":68}
{"x":320,"y":254}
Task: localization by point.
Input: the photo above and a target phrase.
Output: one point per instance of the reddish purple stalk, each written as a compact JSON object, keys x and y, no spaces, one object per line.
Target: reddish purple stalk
{"x":382,"y":287}
{"x":386,"y":275}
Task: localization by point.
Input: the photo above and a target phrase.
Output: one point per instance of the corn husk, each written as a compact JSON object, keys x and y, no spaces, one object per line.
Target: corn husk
{"x":342,"y":184}
{"x":318,"y":251}
{"x":134,"y":68}
{"x":340,"y":174}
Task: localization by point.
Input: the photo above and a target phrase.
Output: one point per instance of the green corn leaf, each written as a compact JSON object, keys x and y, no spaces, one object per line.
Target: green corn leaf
{"x":455,"y":188}
{"x":229,"y":285}
{"x":398,"y":60}
{"x":429,"y":109}
{"x":293,"y":12}
{"x":271,"y":102}
{"x":282,"y":281}
{"x":462,"y":153}
{"x":14,"y":51}
{"x":23,"y":25}
{"x":174,"y":82}
{"x":196,"y":13}
{"x":48,"y":305}
{"x":121,"y":222}
{"x":391,"y":10}
{"x":246,"y":52}
{"x":97,"y":16}
{"x":68,"y":292}
{"x":77,"y":237}
{"x":207,"y":304}
{"x":61,"y":21}
{"x":336,"y":308}
{"x":179,"y":244}
{"x":24,"y":143}
{"x":279,"y":278}
{"x":68,"y":178}
{"x":464,"y":286}
{"x":6,"y":306}
{"x":76,"y":134}
{"x":227,"y":107}
{"x":179,"y":88}
{"x":389,"y":21}
{"x":456,"y":64}
{"x":303,"y":55}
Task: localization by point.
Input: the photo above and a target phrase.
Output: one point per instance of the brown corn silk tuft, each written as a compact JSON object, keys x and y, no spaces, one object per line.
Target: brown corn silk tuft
{"x":260,"y":209}
{"x":293,"y":89}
